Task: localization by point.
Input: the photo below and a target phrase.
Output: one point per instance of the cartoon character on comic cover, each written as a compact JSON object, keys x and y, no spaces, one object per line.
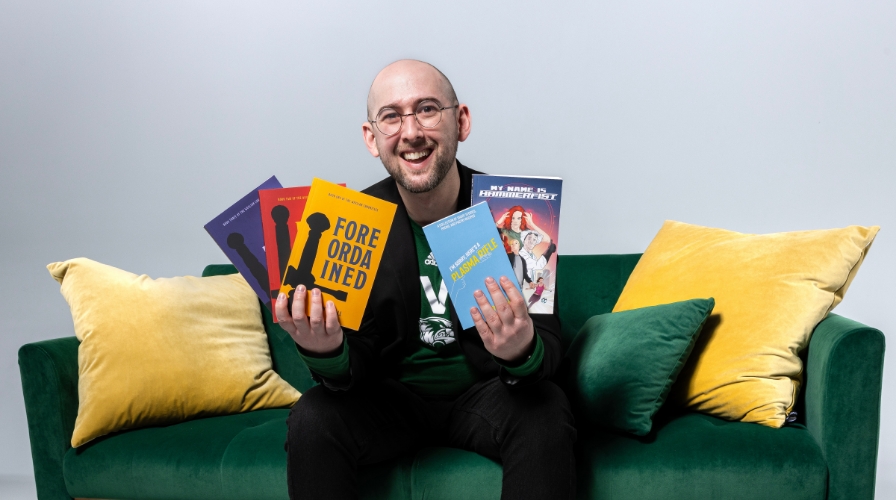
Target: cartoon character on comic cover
{"x":527,"y":215}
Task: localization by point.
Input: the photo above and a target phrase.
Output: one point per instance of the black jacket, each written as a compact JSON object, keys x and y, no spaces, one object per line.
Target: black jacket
{"x":391,"y":318}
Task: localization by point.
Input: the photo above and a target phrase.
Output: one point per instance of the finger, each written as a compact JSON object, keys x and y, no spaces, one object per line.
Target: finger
{"x":282,"y":312}
{"x":499,"y":300}
{"x":481,"y":326}
{"x":299,"y":319}
{"x":316,"y":319}
{"x":332,"y":320}
{"x":517,"y":302}
{"x":491,"y":317}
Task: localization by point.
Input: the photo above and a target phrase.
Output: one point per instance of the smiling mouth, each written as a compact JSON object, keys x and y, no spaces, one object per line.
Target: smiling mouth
{"x":416,"y":156}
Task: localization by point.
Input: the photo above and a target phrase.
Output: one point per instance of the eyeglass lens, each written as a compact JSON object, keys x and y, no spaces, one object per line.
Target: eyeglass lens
{"x":428,"y":115}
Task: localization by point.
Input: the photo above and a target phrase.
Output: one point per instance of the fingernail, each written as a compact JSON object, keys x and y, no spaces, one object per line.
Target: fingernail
{"x":478,"y":293}
{"x":504,"y":278}
{"x":316,"y":292}
{"x":282,"y":296}
{"x":301,"y":288}
{"x":489,"y":280}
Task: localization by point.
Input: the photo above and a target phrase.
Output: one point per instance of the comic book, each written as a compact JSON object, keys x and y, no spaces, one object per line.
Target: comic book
{"x":467,"y":248}
{"x":526,"y":211}
{"x":338,"y":247}
{"x":238,"y":232}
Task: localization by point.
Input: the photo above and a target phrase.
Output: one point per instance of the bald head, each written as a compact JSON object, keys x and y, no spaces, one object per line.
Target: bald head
{"x":404,"y":77}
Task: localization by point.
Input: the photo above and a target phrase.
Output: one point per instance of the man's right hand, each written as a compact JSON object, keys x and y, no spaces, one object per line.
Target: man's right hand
{"x":319,"y":333}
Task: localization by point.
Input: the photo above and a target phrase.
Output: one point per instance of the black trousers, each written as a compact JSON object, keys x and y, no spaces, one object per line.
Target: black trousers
{"x":530,"y":430}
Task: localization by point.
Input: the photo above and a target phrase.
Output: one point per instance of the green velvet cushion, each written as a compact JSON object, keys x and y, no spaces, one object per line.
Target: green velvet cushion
{"x":695,"y":456}
{"x":242,"y":456}
{"x":192,"y":459}
{"x":623,"y":364}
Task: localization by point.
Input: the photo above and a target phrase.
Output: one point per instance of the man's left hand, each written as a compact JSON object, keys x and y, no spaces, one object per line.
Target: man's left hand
{"x":506,"y":329}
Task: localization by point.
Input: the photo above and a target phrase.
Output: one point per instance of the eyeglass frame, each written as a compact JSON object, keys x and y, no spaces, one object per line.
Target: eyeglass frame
{"x":401,"y":117}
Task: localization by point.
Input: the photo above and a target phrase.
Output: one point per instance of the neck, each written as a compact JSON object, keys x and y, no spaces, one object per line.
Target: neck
{"x":428,"y":207}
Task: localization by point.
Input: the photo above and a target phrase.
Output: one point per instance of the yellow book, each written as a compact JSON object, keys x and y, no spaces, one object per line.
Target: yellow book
{"x":338,"y":247}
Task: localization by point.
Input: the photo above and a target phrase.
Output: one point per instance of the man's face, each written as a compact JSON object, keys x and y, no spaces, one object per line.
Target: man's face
{"x":417,"y":158}
{"x":516,"y":219}
{"x":530,"y":241}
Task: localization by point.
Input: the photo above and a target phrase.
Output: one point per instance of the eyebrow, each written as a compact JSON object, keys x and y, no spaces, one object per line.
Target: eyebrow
{"x":417,"y":103}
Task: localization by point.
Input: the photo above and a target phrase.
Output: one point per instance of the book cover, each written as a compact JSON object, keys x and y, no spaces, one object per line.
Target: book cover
{"x":238,"y":232}
{"x":526,"y":211}
{"x":467,"y":248}
{"x":281,"y":212}
{"x":338,"y":247}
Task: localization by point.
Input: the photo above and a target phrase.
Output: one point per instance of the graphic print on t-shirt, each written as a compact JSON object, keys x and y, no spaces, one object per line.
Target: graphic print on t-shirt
{"x":436,"y":331}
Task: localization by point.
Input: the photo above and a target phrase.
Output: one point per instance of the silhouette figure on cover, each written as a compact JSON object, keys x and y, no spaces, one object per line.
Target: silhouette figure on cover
{"x":302,"y":275}
{"x":259,"y":272}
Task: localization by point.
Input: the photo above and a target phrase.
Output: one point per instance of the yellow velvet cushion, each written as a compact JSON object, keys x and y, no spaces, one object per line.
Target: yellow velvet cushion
{"x":770,"y":292}
{"x":160,"y":351}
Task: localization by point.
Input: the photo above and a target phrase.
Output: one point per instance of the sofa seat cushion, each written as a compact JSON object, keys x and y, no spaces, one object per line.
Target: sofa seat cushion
{"x":242,"y":456}
{"x":699,"y":456}
{"x":208,"y":458}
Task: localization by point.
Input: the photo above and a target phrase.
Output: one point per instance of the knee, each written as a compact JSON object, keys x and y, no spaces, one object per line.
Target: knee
{"x":314,"y":415}
{"x":547,"y":413}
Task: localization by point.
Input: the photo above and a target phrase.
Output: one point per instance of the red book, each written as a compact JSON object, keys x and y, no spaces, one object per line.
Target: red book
{"x":281,"y":213}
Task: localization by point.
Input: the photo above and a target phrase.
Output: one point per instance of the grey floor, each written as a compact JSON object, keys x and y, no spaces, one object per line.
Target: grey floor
{"x":22,"y":488}
{"x":17,"y":487}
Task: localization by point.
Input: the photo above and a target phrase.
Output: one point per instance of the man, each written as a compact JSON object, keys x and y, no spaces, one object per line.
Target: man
{"x":518,"y":263}
{"x":409,"y":376}
{"x":535,"y":260}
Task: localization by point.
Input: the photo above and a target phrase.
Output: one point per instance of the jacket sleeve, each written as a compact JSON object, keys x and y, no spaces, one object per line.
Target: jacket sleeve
{"x":359,"y":347}
{"x":547,"y":327}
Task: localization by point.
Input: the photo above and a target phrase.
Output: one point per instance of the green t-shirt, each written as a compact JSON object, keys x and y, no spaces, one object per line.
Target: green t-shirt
{"x":435,"y":365}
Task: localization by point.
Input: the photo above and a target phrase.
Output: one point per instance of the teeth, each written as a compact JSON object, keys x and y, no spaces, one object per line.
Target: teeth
{"x":416,"y":156}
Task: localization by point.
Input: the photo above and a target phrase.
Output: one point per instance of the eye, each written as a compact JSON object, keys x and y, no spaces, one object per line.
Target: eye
{"x":427,"y":109}
{"x":388,"y":115}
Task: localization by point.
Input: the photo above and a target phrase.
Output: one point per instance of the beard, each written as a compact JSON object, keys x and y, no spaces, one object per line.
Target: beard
{"x":442,"y":161}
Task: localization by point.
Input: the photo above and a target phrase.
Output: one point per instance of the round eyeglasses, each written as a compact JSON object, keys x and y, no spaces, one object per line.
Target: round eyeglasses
{"x":428,"y":115}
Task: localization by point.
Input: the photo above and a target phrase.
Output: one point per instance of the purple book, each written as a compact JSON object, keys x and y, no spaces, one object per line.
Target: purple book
{"x":239,"y":233}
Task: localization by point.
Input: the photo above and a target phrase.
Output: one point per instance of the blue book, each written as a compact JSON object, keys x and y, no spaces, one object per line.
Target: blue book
{"x":467,"y":248}
{"x":238,"y":231}
{"x":526,"y":211}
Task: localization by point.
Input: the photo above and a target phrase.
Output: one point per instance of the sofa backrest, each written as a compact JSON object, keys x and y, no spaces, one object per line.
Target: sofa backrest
{"x":586,"y":285}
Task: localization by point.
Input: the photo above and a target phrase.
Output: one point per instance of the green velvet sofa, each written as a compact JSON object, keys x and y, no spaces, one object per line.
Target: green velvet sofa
{"x":830,"y":452}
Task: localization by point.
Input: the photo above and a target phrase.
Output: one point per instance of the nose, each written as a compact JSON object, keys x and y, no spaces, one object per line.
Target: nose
{"x":410,"y":129}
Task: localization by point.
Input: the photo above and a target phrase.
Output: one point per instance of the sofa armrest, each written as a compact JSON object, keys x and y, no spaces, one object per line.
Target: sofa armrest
{"x":49,"y":372}
{"x":844,"y":373}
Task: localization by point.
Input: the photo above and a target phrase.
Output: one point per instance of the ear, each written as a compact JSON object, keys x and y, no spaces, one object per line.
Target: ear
{"x":370,"y":139}
{"x":463,"y":122}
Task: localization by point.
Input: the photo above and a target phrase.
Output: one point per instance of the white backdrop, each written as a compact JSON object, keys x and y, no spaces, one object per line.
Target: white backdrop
{"x":125,"y":126}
